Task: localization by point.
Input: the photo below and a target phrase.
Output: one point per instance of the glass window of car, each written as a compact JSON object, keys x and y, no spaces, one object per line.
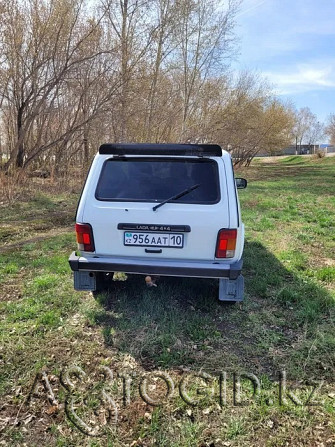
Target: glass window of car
{"x":157,"y":179}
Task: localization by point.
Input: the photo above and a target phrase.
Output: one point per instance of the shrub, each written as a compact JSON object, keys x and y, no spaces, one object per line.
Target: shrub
{"x":320,"y":153}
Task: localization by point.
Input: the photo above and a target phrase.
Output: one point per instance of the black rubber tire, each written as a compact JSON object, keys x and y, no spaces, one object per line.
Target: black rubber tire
{"x":227,"y":303}
{"x":103,"y":281}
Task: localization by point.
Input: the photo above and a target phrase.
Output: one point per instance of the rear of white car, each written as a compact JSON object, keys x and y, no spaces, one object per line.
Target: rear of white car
{"x":163,"y":209}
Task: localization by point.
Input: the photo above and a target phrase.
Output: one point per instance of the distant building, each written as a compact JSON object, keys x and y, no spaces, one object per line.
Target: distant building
{"x":304,"y":149}
{"x":308,"y":149}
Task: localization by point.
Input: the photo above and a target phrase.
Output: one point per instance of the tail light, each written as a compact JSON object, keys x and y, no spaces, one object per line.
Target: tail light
{"x":85,"y":237}
{"x":226,"y":244}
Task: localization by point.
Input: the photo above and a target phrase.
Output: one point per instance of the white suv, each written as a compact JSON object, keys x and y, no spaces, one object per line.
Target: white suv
{"x":160,"y":209}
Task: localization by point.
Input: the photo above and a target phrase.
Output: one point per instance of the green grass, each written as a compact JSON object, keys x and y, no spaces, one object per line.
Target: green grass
{"x":293,"y":159}
{"x":285,"y":323}
{"x":43,"y":212}
{"x":235,"y":429}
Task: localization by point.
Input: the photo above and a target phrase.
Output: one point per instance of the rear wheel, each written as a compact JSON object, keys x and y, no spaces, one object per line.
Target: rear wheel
{"x":227,"y":303}
{"x":102,"y":280}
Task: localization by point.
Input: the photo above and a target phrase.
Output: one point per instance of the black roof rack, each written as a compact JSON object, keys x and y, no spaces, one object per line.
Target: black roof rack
{"x":199,"y":150}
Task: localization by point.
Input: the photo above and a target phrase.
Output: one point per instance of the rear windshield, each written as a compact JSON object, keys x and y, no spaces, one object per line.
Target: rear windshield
{"x":152,"y":180}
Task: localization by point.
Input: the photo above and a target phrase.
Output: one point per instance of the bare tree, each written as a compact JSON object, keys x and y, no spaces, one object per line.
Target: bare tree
{"x":131,"y":33}
{"x":315,"y":133}
{"x":245,"y":117}
{"x":206,"y":45}
{"x":303,"y":121}
{"x":44,"y":44}
{"x":330,"y":128}
{"x":134,"y":70}
{"x":163,"y":44}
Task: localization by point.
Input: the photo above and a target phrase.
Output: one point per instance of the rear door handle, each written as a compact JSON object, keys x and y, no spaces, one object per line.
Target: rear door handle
{"x":148,"y":250}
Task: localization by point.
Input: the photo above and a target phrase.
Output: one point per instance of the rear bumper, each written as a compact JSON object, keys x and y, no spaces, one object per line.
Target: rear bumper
{"x":201,"y":269}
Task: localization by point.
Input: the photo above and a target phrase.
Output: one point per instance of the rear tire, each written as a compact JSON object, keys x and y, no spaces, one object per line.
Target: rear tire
{"x":103,"y":280}
{"x":227,"y":303}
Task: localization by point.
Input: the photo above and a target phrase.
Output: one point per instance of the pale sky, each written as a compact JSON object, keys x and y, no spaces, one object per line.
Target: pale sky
{"x":292,"y":43}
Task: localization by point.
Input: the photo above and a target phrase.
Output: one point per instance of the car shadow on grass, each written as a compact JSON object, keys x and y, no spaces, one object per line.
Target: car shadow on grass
{"x":285,"y":322}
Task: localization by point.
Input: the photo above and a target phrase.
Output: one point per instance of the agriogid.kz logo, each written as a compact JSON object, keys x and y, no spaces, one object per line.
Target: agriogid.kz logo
{"x":104,"y":394}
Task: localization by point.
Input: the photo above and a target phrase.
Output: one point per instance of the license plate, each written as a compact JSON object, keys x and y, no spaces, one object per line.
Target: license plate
{"x":173,"y":240}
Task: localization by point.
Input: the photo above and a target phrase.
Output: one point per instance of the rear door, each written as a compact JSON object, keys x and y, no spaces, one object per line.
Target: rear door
{"x":121,"y":200}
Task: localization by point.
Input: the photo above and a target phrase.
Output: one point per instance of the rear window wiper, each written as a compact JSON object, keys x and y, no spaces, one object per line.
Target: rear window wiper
{"x":176,"y":196}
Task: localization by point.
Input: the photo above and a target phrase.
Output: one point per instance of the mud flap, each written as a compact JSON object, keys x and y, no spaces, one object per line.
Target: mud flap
{"x":231,"y":289}
{"x":84,"y":280}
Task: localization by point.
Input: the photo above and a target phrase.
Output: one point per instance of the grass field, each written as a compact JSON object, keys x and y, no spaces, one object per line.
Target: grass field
{"x":286,"y":323}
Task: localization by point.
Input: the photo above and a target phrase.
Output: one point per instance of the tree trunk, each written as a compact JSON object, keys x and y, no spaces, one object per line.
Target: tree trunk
{"x":20,"y":146}
{"x":124,"y":73}
{"x":86,"y":147}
